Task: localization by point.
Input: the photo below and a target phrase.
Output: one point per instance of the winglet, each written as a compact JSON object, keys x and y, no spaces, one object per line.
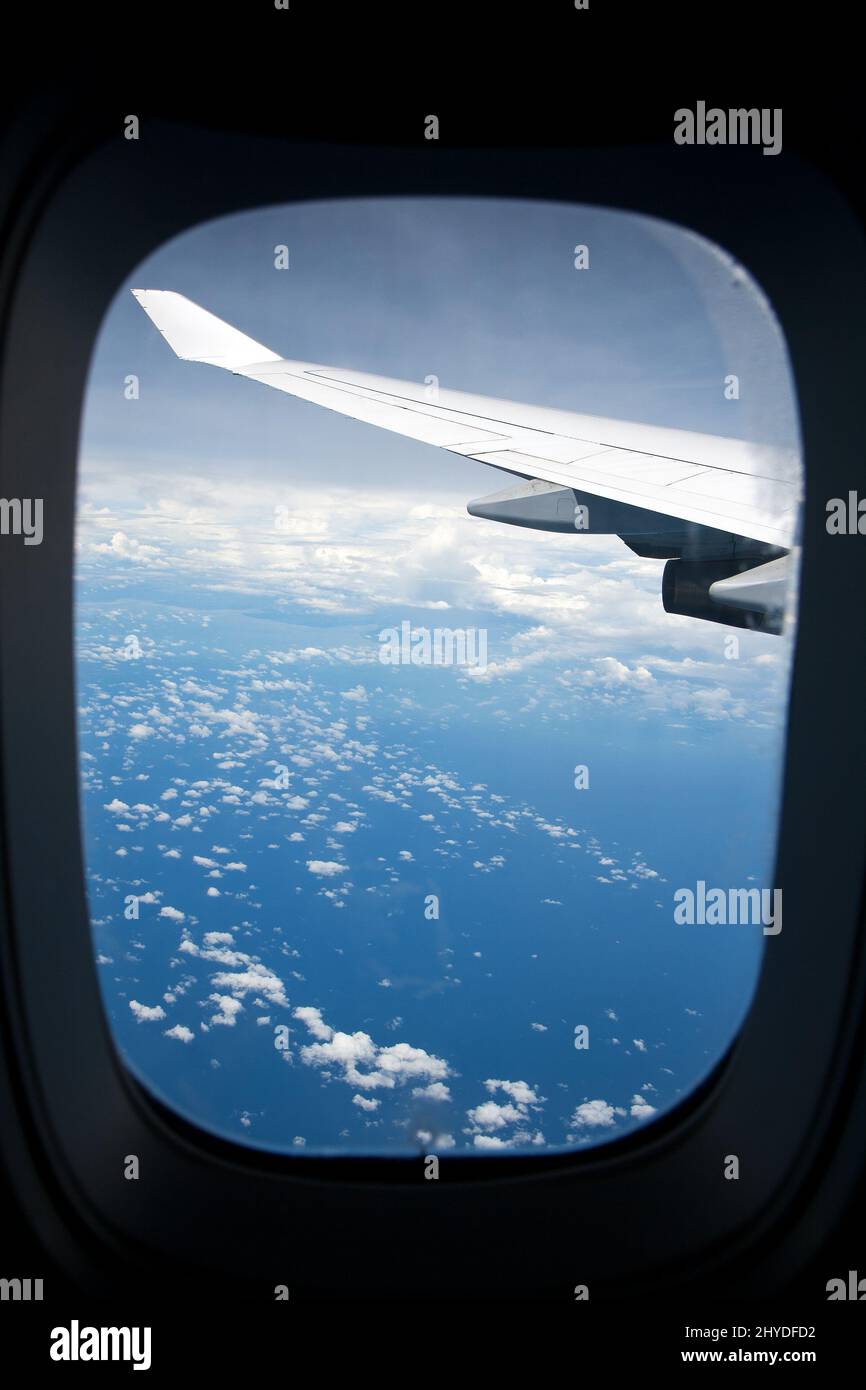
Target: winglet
{"x":198,"y":336}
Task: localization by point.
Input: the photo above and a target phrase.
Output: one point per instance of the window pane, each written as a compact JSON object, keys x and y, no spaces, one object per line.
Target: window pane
{"x":401,"y":823}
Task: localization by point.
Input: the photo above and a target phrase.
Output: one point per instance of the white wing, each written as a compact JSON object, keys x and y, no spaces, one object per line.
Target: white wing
{"x":645,"y":473}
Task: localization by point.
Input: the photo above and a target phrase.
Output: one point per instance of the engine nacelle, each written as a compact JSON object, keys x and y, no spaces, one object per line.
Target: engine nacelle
{"x":686,"y":588}
{"x":541,"y":506}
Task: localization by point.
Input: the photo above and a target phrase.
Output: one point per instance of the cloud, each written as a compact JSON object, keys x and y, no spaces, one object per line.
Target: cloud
{"x":144,"y":1013}
{"x":256,"y":979}
{"x":437,"y":1090}
{"x":490,"y":1115}
{"x":122,"y":546}
{"x":566,"y":597}
{"x":488,"y":1120}
{"x":640,"y":1108}
{"x":314,"y":1022}
{"x":593,"y":1114}
{"x":518,"y":1090}
{"x":182,"y":1034}
{"x":173,"y":913}
{"x":612,"y":673}
{"x":325,"y":868}
{"x":363,"y":1063}
{"x":228,"y":1009}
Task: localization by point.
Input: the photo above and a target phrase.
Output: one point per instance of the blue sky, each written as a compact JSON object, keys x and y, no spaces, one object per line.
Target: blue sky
{"x":263,"y":904}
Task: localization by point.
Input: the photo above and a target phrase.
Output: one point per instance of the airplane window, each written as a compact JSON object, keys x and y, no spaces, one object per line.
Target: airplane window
{"x":436,"y":583}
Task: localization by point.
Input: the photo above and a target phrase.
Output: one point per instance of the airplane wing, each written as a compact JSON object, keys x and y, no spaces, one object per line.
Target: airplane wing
{"x":713,"y":507}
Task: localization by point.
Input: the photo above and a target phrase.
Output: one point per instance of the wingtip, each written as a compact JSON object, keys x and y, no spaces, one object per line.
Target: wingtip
{"x":197,"y":335}
{"x":141,"y":296}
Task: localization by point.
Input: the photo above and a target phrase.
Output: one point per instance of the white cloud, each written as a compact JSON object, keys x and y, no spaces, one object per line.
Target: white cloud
{"x":518,"y":1090}
{"x":363,"y":1063}
{"x":256,"y":979}
{"x":228,"y":1009}
{"x":488,"y":1120}
{"x":127,"y":547}
{"x":640,"y":1108}
{"x":144,"y":1013}
{"x":182,"y":1034}
{"x":594,"y":1114}
{"x":437,"y":1090}
{"x":490,"y":1115}
{"x":325,"y":868}
{"x":314,"y":1021}
{"x":489,"y":1141}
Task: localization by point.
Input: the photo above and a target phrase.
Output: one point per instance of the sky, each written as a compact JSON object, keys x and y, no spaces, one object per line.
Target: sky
{"x":393,"y":863}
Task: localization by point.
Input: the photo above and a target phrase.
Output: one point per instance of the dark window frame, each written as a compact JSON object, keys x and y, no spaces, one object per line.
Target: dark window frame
{"x":633,"y":1214}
